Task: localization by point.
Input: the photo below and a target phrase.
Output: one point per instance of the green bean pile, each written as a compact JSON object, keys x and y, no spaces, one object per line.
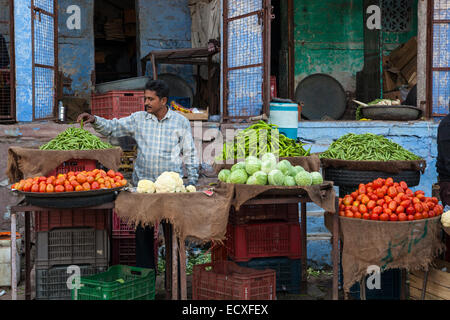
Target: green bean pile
{"x":75,"y":139}
{"x":369,"y":146}
{"x":250,"y":141}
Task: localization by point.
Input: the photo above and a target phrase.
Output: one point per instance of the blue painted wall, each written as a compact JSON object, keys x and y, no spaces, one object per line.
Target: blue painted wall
{"x":23,"y":55}
{"x":165,"y":25}
{"x":76,"y":48}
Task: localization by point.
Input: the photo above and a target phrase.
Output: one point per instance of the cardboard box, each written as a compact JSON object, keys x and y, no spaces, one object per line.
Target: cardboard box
{"x":402,"y":55}
{"x":196,"y":116}
{"x":409,"y":72}
{"x":438,"y":284}
{"x":389,"y":81}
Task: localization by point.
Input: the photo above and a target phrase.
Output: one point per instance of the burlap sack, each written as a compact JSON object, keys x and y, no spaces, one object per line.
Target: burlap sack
{"x":383,"y":166}
{"x":27,"y":162}
{"x":195,"y":215}
{"x":323,"y":195}
{"x":446,"y":230}
{"x":410,"y":245}
{"x":310,"y":163}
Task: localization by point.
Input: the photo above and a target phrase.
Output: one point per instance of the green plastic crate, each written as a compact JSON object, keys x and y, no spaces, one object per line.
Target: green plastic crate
{"x":118,"y":283}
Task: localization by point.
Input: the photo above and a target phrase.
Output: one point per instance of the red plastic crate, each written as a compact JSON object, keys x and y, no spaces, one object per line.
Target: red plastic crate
{"x":263,"y":240}
{"x":121,"y":228}
{"x":74,"y":165}
{"x":117,"y":104}
{"x":225,"y":280}
{"x":70,"y":218}
{"x":218,"y":253}
{"x":258,"y":213}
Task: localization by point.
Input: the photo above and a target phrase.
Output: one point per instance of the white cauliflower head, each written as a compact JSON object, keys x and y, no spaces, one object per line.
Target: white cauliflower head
{"x":169,"y":182}
{"x":145,"y":186}
{"x":445,"y":219}
{"x":191,"y":188}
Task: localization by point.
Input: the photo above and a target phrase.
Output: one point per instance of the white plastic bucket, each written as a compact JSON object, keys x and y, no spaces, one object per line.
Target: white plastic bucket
{"x":5,"y":258}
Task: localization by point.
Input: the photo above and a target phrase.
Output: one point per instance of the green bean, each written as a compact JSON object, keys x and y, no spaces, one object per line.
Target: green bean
{"x":75,"y":139}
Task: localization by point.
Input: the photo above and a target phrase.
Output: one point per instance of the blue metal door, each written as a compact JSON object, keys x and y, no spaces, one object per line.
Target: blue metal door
{"x":246,"y":58}
{"x":44,"y":33}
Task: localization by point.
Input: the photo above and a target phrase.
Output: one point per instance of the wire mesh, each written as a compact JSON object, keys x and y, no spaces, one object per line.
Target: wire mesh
{"x":245,"y":92}
{"x":44,"y":92}
{"x":441,"y":57}
{"x":245,"y":43}
{"x":238,"y":7}
{"x":5,"y":61}
{"x":397,"y":15}
{"x":44,"y":55}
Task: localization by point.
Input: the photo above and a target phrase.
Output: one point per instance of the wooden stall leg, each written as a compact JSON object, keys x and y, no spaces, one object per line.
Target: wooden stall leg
{"x":183,"y":289}
{"x":168,"y":246}
{"x":27,"y":256}
{"x":362,"y":288}
{"x":424,"y":285}
{"x":336,"y":252}
{"x":304,"y":282}
{"x":13,"y":257}
{"x":174,"y":266}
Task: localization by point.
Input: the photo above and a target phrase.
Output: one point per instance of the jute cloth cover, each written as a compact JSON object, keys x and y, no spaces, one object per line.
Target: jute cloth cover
{"x":410,"y":245}
{"x":383,"y":166}
{"x":195,"y":215}
{"x":27,"y":162}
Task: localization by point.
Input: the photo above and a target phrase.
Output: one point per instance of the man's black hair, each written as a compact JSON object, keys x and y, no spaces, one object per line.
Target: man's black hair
{"x":159,"y":86}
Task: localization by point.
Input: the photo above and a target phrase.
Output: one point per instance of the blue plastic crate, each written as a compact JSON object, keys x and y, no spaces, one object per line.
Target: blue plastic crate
{"x":183,"y":101}
{"x":288,"y":271}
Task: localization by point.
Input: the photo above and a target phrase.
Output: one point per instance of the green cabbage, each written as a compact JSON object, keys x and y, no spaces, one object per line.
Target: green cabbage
{"x":284,"y":166}
{"x":239,"y":165}
{"x":251,"y":180}
{"x":268,"y":162}
{"x":261,"y":178}
{"x":238,"y":176}
{"x":224,"y":174}
{"x":289,"y":181}
{"x":252,"y":164}
{"x":276,"y":178}
{"x":268,"y":157}
{"x":303,"y":178}
{"x":316,"y":177}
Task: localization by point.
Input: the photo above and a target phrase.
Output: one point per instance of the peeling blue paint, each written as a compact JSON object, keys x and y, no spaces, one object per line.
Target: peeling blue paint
{"x":13,"y":132}
{"x":23,"y":56}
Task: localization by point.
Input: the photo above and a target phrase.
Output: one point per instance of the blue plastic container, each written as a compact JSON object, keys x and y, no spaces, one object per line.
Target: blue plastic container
{"x":288,"y":271}
{"x":285,"y":116}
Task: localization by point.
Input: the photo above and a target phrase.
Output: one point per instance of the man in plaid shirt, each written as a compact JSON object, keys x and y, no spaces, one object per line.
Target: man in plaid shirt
{"x":164,"y":141}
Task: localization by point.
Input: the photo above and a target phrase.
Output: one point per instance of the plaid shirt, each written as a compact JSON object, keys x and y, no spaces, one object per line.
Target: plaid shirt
{"x":161,"y":145}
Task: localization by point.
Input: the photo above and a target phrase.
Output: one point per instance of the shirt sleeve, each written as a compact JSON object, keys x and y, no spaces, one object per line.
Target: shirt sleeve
{"x":115,"y":127}
{"x":190,"y":157}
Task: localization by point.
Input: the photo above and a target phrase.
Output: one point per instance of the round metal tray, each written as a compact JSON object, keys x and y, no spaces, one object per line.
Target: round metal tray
{"x":402,"y":113}
{"x":75,"y":194}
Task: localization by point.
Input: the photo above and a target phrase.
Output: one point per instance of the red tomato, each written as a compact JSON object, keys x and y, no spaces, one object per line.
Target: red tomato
{"x":42,"y":179}
{"x":69,"y":188}
{"x":59,"y":188}
{"x":111,"y":173}
{"x":371,"y":204}
{"x":370,"y":184}
{"x":410,"y":217}
{"x":43,"y":187}
{"x":380,"y":202}
{"x":359,"y":197}
{"x":358,"y":215}
{"x":349,"y":214}
{"x":385,"y":206}
{"x":409,"y":191}
{"x":405,"y":197}
{"x":374,"y":216}
{"x":377,"y":210}
{"x":366,"y":216}
{"x":362,"y":208}
{"x":402,"y":217}
{"x":356,"y":203}
{"x":95,"y":185}
{"x":377,"y":183}
{"x":430,"y":205}
{"x":405,"y":203}
{"x":425,"y":207}
{"x":403,"y":185}
{"x":392,"y":205}
{"x":396,"y":184}
{"x":374,"y":197}
{"x":399,"y":189}
{"x":341,"y":207}
{"x":437,"y":210}
{"x":35,"y":188}
{"x":342,"y":213}
{"x":387,"y":199}
{"x":365,"y":199}
{"x":434,"y":200}
{"x":389,"y":182}
{"x":384,"y":217}
{"x":354,"y":194}
{"x":392,"y":192}
{"x":388,"y":211}
{"x":419,"y":192}
{"x":425,"y":214}
{"x":354,"y":209}
{"x":431,"y":214}
{"x":418,"y":216}
{"x":418,"y":207}
{"x":400,"y":209}
{"x":410,"y":210}
{"x":50,"y":188}
{"x":415,"y":200}
{"x":393,"y":217}
{"x":347,"y":200}
{"x":380,"y":193}
{"x":421,"y":197}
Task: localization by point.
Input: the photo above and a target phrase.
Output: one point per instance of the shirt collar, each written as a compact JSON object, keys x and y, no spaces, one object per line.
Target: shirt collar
{"x":153,"y":117}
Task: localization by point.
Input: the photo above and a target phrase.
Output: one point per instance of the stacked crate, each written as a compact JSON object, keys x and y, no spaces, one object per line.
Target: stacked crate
{"x":67,"y":237}
{"x":265,"y":237}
